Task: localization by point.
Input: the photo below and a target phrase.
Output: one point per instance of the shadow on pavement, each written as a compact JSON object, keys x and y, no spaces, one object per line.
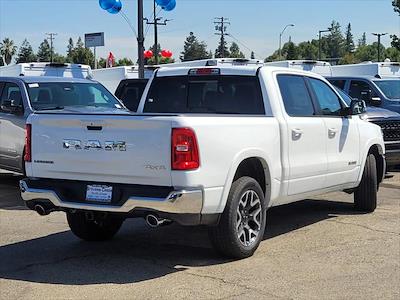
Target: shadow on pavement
{"x":10,"y":197}
{"x":138,"y":253}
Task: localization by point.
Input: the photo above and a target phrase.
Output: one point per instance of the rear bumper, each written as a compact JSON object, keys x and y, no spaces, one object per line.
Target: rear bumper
{"x":176,"y":202}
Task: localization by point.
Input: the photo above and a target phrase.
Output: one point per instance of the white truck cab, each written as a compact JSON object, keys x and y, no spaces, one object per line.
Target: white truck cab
{"x":210,"y":145}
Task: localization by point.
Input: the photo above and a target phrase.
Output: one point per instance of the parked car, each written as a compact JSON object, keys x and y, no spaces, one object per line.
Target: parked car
{"x":211,"y":146}
{"x":130,"y":91}
{"x":389,"y":121}
{"x":47,"y":69}
{"x":21,"y":96}
{"x":378,"y":84}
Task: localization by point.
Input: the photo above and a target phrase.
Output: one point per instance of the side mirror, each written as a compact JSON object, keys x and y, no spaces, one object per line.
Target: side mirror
{"x":357,"y":107}
{"x":12,"y":106}
{"x":376,"y":101}
{"x":366,"y":95}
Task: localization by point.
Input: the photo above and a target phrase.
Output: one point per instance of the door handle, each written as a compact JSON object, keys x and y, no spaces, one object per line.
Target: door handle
{"x":332,"y":132}
{"x":297,"y":133}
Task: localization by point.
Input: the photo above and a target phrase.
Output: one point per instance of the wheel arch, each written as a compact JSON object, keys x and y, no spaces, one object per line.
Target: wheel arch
{"x":377,"y":150}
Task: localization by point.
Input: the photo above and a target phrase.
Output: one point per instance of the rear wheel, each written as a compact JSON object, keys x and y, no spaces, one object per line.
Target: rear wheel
{"x":99,"y":228}
{"x":365,"y":196}
{"x":242,"y":223}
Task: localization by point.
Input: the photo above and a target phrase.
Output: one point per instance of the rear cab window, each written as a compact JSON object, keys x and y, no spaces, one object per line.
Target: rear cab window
{"x":205,"y":94}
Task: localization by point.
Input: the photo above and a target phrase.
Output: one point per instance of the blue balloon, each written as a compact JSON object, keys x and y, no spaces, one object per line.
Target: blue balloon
{"x":170,"y":6}
{"x":106,"y":4}
{"x":163,"y":3}
{"x":116,"y":8}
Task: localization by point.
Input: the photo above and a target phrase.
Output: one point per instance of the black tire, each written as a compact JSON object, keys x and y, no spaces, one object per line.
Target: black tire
{"x":365,"y":196}
{"x":224,"y":237}
{"x":99,"y":229}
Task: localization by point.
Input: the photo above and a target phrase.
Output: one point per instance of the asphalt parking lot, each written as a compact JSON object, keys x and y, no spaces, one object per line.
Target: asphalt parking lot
{"x":315,"y":249}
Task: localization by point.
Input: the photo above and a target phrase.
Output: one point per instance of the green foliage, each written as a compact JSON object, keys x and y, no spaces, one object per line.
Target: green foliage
{"x":307,"y":50}
{"x":44,"y":52}
{"x":25,"y":53}
{"x":124,"y":62}
{"x":235,"y":51}
{"x":222,"y":50}
{"x":7,"y":50}
{"x":335,"y":41}
{"x":70,"y":49}
{"x":252,"y":55}
{"x":349,"y":42}
{"x":82,"y":55}
{"x":193,"y":49}
{"x":395,"y":42}
{"x":291,"y":51}
{"x":363,"y":41}
{"x":396,"y":6}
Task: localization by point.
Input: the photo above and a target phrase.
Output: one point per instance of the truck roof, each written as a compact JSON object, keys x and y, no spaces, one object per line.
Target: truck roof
{"x":246,"y":70}
{"x":368,"y":77}
{"x":43,"y":79}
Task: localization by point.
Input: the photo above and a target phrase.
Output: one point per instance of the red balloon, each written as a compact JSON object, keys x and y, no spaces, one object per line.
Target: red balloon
{"x":148,"y":54}
{"x":166,"y":53}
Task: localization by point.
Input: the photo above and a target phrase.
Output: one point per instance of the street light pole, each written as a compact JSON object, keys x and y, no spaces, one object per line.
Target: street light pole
{"x":379,"y":43}
{"x":140,"y":40}
{"x":280,"y":39}
{"x":319,"y":41}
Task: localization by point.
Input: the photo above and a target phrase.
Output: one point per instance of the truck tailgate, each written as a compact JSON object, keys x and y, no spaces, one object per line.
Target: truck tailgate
{"x":101,"y":148}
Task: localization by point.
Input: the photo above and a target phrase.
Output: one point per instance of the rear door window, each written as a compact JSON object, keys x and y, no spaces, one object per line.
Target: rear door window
{"x":206,"y":94}
{"x":295,"y":95}
{"x":360,"y":89}
{"x":130,"y":94}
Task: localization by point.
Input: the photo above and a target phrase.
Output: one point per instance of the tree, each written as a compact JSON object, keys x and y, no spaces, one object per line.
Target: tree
{"x":70,"y":49}
{"x":7,"y":50}
{"x":335,"y":41}
{"x":393,"y":54}
{"x":44,"y":51}
{"x":252,"y":55}
{"x":363,"y":41}
{"x":349,"y":42}
{"x":235,"y":51}
{"x":25,"y":53}
{"x":396,"y":6}
{"x":124,"y":62}
{"x":395,"y":42}
{"x":292,"y":51}
{"x":193,"y":49}
{"x":222,"y":50}
{"x":307,"y":50}
{"x":82,"y":55}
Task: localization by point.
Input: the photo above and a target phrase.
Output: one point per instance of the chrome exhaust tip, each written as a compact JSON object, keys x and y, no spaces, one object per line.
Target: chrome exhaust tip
{"x":41,"y":210}
{"x":154,"y":222}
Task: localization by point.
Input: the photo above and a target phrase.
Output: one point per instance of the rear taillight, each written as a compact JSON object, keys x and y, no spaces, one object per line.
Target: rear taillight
{"x":185,"y":151}
{"x":28,"y":143}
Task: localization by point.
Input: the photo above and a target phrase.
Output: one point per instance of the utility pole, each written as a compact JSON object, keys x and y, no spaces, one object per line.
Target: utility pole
{"x":220,"y":26}
{"x":51,"y":37}
{"x":156,"y":24}
{"x":379,"y":43}
{"x":140,"y":40}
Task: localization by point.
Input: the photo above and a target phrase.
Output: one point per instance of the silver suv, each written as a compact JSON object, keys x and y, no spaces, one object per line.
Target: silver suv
{"x":20,"y":96}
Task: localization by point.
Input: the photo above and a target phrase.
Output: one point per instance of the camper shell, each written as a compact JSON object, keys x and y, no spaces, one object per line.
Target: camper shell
{"x":47,"y":69}
{"x":378,"y":70}
{"x":322,"y":68}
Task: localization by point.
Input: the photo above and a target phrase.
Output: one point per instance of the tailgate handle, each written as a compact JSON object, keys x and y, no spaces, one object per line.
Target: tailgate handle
{"x":95,"y":128}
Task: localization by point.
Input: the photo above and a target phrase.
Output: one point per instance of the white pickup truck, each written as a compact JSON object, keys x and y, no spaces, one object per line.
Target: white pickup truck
{"x":214,"y":145}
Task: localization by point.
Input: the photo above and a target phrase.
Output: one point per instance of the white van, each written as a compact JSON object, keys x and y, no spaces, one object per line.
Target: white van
{"x":320,"y":67}
{"x":47,"y":69}
{"x":378,"y":70}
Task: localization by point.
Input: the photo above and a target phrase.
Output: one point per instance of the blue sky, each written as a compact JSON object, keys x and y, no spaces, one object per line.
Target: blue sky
{"x":256,"y":24}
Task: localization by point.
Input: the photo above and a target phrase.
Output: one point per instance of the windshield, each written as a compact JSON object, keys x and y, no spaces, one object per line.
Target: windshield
{"x":391,"y":88}
{"x":205,"y":94}
{"x":346,"y":98}
{"x":57,"y":95}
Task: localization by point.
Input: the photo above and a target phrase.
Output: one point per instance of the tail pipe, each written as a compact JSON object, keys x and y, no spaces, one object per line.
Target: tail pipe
{"x":153,"y":221}
{"x":41,"y":210}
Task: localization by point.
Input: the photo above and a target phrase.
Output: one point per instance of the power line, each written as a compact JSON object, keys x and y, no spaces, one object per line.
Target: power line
{"x":221,"y":31}
{"x":244,"y":45}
